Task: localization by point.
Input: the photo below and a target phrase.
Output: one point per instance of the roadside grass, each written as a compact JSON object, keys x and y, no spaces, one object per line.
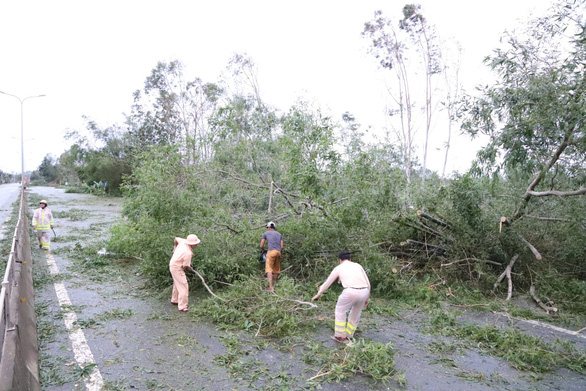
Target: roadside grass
{"x":67,"y":238}
{"x":115,"y":313}
{"x":73,"y":214}
{"x":372,"y":359}
{"x":82,"y":372}
{"x":97,"y":320}
{"x":83,"y":232}
{"x":113,"y":385}
{"x":70,"y":308}
{"x":88,"y":323}
{"x":238,"y":360}
{"x":46,"y":329}
{"x":284,"y":321}
{"x":33,"y":200}
{"x":523,"y":352}
{"x":156,"y":316}
{"x":99,"y":226}
{"x":50,"y":367}
{"x":444,"y":351}
{"x":85,"y":259}
{"x":50,"y":370}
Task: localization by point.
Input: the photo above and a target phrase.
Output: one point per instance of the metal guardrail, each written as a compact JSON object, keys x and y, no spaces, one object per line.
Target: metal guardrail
{"x":18,"y":323}
{"x":8,"y":275}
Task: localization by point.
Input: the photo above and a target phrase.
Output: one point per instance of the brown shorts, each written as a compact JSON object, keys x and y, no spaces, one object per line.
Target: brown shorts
{"x":273,"y":264}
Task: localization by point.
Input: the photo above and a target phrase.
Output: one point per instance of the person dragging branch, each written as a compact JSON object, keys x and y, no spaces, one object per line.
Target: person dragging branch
{"x":181,"y":261}
{"x":354,"y":297}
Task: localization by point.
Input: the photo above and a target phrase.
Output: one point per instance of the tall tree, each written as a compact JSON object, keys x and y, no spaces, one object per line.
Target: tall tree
{"x":173,"y":111}
{"x":98,"y":155}
{"x":424,"y":37}
{"x":388,"y":47}
{"x":451,"y":62}
{"x":49,"y":169}
{"x":244,"y":76}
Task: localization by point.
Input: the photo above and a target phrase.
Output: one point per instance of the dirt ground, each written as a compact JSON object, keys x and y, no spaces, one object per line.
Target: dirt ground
{"x":146,"y":344}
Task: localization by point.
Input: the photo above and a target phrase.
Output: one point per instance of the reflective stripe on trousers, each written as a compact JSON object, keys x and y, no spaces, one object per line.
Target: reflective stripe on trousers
{"x":350,"y":300}
{"x":44,"y":239}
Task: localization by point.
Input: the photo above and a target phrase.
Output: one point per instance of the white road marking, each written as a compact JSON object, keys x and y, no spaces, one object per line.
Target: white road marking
{"x":81,"y":350}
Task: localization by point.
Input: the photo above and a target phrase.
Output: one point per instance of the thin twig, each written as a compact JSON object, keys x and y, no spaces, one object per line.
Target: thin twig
{"x":469,"y":305}
{"x":222,"y":282}
{"x":411,"y":314}
{"x":471,"y":259}
{"x":320,"y":375}
{"x":259,"y":326}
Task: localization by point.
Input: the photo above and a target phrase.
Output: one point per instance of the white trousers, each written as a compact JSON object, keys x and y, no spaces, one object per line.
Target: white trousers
{"x":350,"y":300}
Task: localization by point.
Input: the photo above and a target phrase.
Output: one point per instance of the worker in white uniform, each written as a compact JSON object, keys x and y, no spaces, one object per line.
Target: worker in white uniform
{"x":354,"y":297}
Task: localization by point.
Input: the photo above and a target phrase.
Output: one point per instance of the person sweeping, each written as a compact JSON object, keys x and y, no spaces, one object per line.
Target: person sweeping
{"x":180,"y":262}
{"x":354,"y":297}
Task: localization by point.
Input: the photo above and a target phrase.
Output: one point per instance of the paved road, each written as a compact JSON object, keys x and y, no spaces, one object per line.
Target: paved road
{"x":8,"y":194}
{"x":139,"y":341}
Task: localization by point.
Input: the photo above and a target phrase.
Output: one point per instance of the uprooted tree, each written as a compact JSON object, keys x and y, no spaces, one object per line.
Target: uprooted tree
{"x":535,"y":120}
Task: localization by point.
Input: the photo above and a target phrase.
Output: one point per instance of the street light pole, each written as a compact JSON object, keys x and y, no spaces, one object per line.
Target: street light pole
{"x":22,"y":130}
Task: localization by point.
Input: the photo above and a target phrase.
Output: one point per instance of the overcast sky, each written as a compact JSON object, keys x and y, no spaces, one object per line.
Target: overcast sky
{"x":88,"y":57}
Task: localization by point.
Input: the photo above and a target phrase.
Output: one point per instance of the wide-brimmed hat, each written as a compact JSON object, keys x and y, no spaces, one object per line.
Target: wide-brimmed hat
{"x":44,"y":202}
{"x":192,"y":240}
{"x":270,"y":224}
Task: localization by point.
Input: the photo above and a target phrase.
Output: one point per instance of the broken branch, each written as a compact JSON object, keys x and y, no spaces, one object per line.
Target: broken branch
{"x":541,"y":218}
{"x":581,"y":190}
{"x":426,"y":245}
{"x":504,"y":273}
{"x":507,"y":222}
{"x":546,"y":308}
{"x":540,"y":175}
{"x":207,"y":287}
{"x":471,"y":259}
{"x":510,"y":282}
{"x":531,"y":247}
{"x":433,"y":219}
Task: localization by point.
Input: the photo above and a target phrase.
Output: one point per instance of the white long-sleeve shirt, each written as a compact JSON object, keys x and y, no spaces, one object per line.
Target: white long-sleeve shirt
{"x":351,"y":274}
